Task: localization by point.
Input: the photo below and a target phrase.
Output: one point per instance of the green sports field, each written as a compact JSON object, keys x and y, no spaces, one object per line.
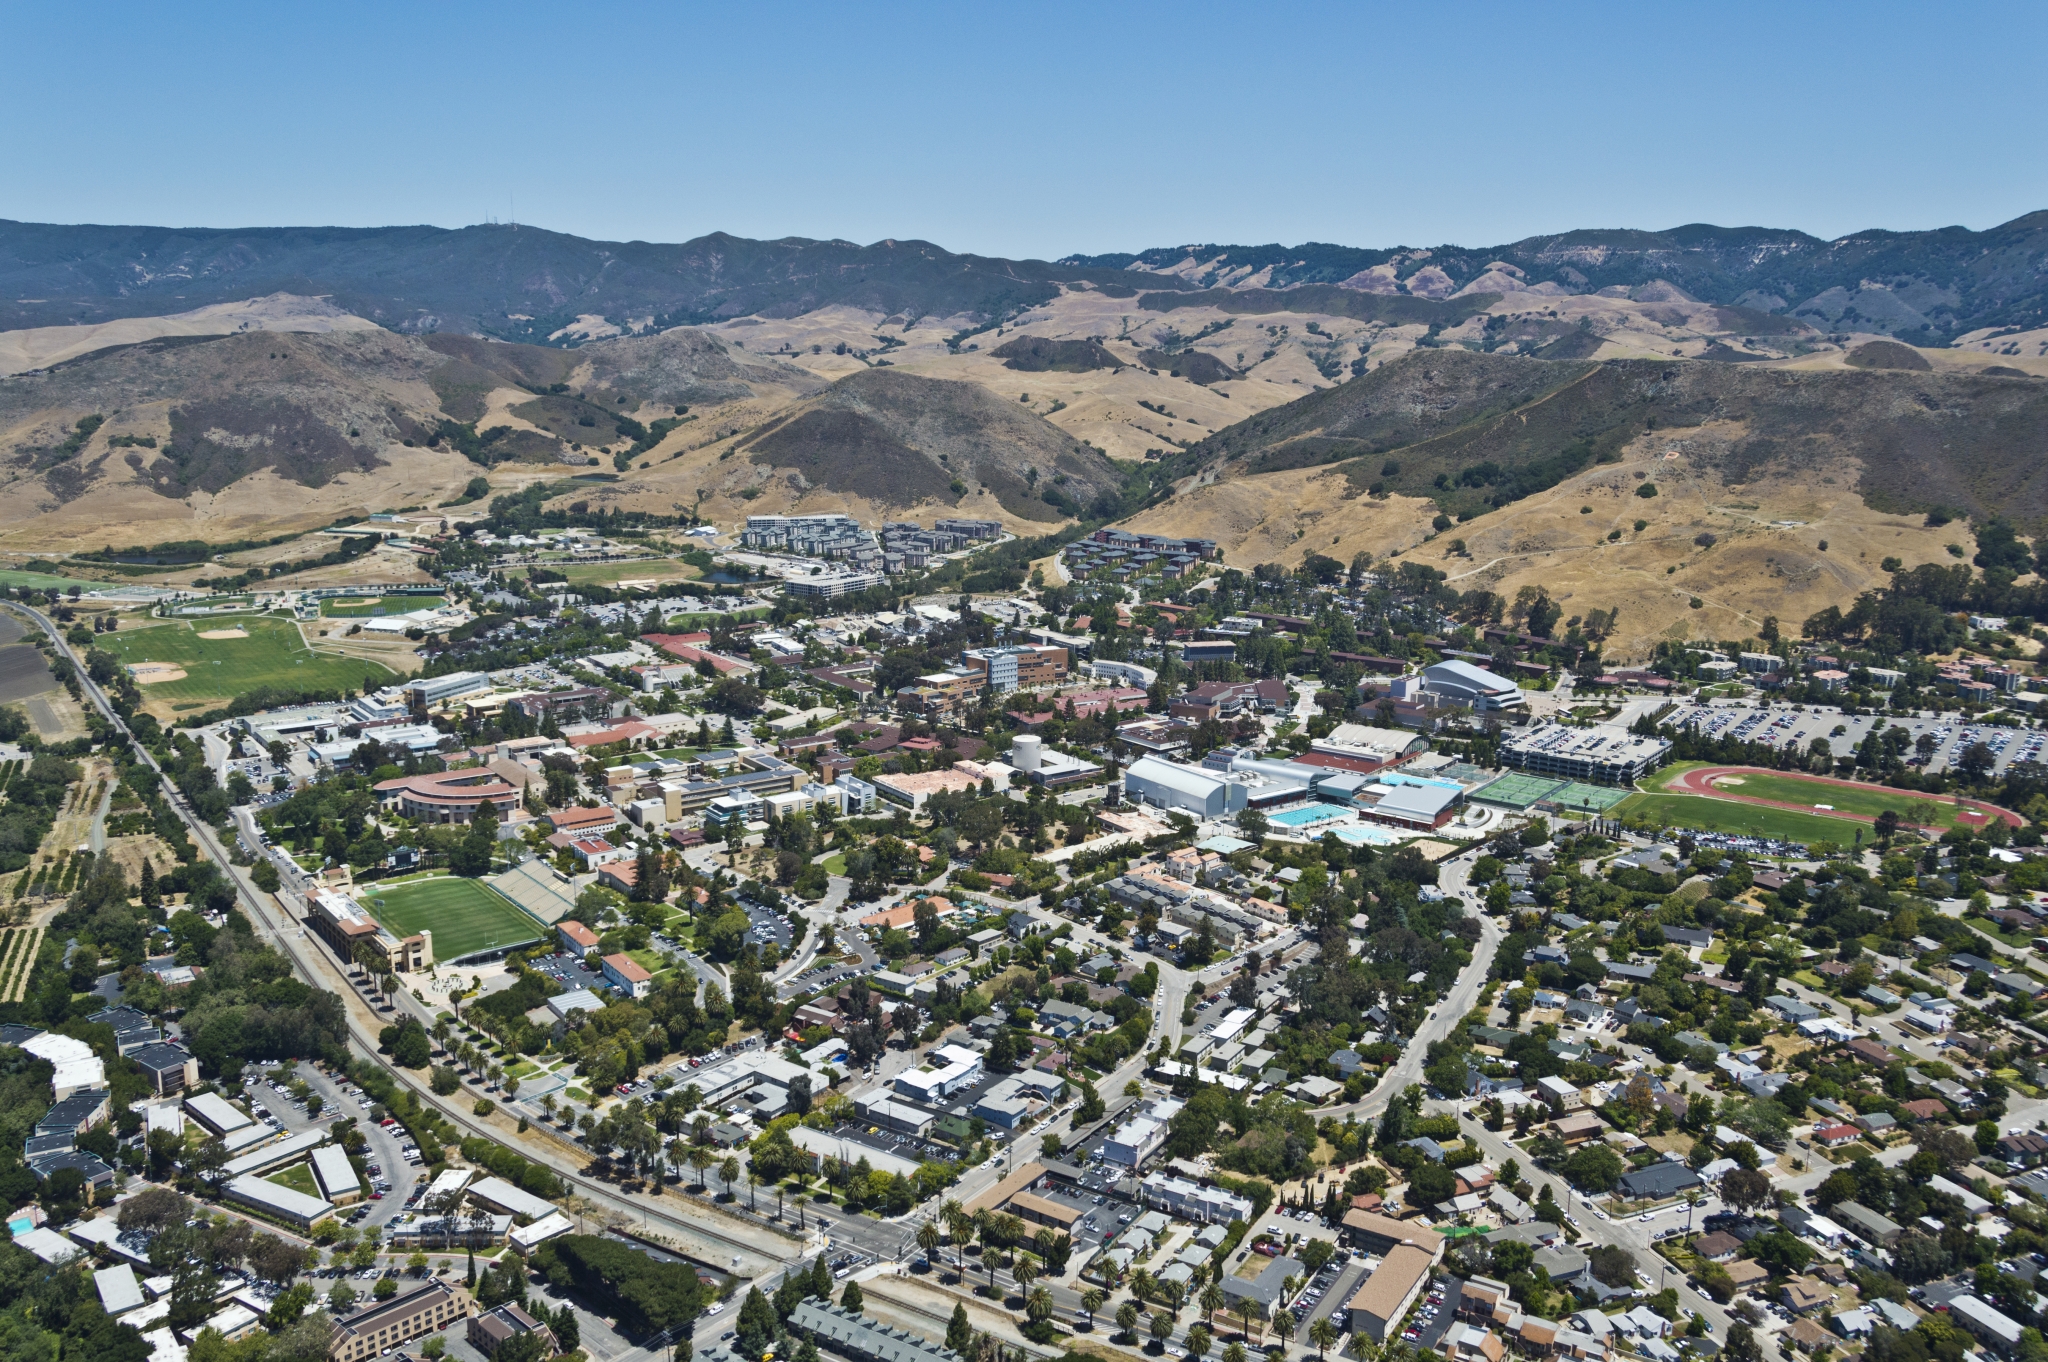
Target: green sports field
{"x":1722,"y":815}
{"x":273,"y":654}
{"x":463,"y":915}
{"x":369,"y":607}
{"x":1867,"y":800}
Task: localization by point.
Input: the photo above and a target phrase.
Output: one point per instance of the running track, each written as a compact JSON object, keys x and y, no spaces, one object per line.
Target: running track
{"x":1701,"y":782}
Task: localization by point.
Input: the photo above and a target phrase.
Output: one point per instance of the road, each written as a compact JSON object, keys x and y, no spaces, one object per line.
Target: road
{"x":749,"y":1251}
{"x":1454,"y":878}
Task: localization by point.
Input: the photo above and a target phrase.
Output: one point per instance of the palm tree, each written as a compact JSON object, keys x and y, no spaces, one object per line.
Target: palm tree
{"x":1038,"y":1305}
{"x":1283,"y":1325}
{"x":1091,"y":1301}
{"x":678,"y":1152}
{"x":1323,"y":1334}
{"x":1162,"y":1328}
{"x":991,"y":1260}
{"x":1290,"y":1287}
{"x":1212,"y":1301}
{"x":928,"y":1240}
{"x":1244,"y":1319}
{"x":1025,"y":1271}
{"x":1175,"y":1295}
{"x":1141,"y":1284}
{"x":747,"y":1181}
{"x":547,"y":1106}
{"x":1233,"y":1352}
{"x":958,"y":1224}
{"x":1127,"y":1320}
{"x":798,"y":1202}
{"x":1198,"y":1341}
{"x":700,"y":1159}
{"x":728,"y":1173}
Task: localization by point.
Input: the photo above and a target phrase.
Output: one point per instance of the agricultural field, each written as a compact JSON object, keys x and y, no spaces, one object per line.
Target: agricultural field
{"x":463,"y":915}
{"x":217,"y":658}
{"x":1722,"y":815}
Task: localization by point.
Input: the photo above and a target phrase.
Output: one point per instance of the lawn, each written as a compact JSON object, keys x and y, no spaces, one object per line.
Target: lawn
{"x":298,"y":1177}
{"x":1720,"y":815}
{"x":46,"y":580}
{"x":606,"y":574}
{"x":367,"y":607}
{"x":273,"y":654}
{"x":1867,"y":800}
{"x":463,"y":915}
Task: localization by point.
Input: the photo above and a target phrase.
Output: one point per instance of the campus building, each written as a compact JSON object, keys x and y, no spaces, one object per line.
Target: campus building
{"x":1028,"y":666}
{"x":381,"y":1328}
{"x":341,"y":922}
{"x":448,"y":796}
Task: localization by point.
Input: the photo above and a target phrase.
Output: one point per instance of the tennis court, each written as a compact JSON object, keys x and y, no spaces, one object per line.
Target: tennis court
{"x":1587,"y":798}
{"x":1518,"y":792}
{"x":464,"y":916}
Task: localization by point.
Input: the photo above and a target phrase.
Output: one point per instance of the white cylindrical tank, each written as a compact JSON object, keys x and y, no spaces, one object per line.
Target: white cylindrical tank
{"x":1024,"y":753}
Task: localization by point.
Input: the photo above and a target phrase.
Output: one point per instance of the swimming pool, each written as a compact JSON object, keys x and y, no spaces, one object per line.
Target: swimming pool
{"x":1306,"y":815}
{"x":1366,"y":835}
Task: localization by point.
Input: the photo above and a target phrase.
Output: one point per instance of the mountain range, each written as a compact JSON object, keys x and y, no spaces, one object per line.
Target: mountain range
{"x":527,"y":284}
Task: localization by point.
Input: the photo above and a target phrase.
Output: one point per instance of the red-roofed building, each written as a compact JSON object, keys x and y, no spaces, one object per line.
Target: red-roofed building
{"x":625,"y":974}
{"x":631,"y":731}
{"x":577,"y":939}
{"x":1926,"y":1109}
{"x":603,"y":818}
{"x":596,"y":851}
{"x":1834,"y":1137}
{"x":448,"y":796}
{"x":685,"y":646}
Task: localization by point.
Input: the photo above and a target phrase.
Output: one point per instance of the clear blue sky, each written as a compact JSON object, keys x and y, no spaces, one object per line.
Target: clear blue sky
{"x":1028,"y":130}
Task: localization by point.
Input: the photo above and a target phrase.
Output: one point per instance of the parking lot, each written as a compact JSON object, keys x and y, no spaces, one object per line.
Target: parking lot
{"x":767,"y":925}
{"x":571,"y":973}
{"x":1791,"y":726}
{"x":392,"y":1176}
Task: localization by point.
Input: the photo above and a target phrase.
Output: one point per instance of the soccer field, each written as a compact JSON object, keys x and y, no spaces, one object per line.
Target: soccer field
{"x":252,"y":651}
{"x":464,"y":916}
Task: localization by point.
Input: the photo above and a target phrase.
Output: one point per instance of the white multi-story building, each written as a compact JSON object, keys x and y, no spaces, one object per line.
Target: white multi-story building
{"x":1139,"y":1138}
{"x":951,"y":1068}
{"x":1187,"y":1200}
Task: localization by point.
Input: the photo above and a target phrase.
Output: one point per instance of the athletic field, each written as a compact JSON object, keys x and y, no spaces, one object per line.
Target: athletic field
{"x":369,"y":607}
{"x":1795,"y":790}
{"x":463,"y":915}
{"x":1725,"y":815}
{"x":244,"y":652}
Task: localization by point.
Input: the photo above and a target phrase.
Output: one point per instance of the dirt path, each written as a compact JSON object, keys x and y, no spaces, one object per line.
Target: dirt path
{"x":1701,"y":782}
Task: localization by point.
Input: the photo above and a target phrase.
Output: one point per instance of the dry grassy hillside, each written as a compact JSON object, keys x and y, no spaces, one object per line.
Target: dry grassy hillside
{"x":1777,"y":491}
{"x":258,"y":433}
